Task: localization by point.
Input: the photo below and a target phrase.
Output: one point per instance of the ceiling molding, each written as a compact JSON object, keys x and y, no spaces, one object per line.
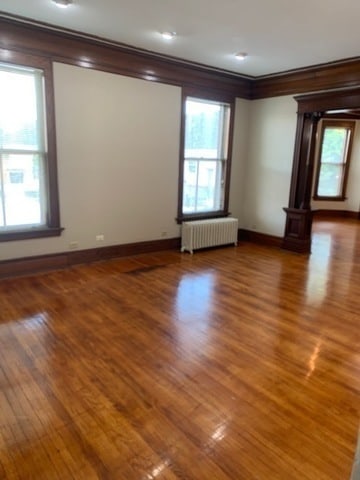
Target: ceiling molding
{"x":345,"y":99}
{"x":340,"y":74}
{"x":68,"y":46}
{"x":92,"y":52}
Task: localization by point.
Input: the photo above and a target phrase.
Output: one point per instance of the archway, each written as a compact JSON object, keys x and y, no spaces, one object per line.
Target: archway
{"x":311,"y":108}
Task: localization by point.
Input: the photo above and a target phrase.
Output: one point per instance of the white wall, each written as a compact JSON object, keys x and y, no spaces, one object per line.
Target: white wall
{"x":118,"y":157}
{"x":118,"y":147}
{"x":352,"y":202}
{"x":118,"y":161}
{"x":239,"y":159}
{"x":269,"y":164}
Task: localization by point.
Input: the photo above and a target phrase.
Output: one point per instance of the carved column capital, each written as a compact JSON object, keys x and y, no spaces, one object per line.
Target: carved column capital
{"x":314,"y":116}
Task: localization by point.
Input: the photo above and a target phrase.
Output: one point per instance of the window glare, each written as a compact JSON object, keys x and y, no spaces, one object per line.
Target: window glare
{"x":18,"y":113}
{"x":334,"y":144}
{"x":205,"y":126}
{"x":195,"y":107}
{"x":330,"y":181}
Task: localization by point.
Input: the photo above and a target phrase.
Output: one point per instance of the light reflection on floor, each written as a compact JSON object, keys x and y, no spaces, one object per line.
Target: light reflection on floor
{"x":194,"y":299}
{"x":318,"y":278}
{"x":330,"y":254}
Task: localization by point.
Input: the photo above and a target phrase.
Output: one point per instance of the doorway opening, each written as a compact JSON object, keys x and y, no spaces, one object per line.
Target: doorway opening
{"x":311,"y":109}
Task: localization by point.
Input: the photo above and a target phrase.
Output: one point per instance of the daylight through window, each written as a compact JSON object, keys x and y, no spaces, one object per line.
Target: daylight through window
{"x":22,"y":148}
{"x":206,"y":140}
{"x":29,"y":201}
{"x":334,"y":160}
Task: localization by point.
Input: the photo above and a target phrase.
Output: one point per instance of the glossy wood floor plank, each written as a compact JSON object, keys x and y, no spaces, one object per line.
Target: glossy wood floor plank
{"x":235,"y":363}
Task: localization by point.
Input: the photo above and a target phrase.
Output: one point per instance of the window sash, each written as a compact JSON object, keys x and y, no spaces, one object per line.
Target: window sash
{"x":333,"y":188}
{"x":24,"y":62}
{"x":206,"y":193}
{"x":22,"y":204}
{"x":332,"y":171}
{"x":42,"y":145}
{"x":207,"y":199}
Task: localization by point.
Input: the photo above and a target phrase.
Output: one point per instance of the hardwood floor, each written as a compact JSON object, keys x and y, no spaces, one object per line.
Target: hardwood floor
{"x":235,"y":363}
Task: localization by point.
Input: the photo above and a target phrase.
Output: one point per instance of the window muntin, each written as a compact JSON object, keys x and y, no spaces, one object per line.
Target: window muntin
{"x":205,"y":157}
{"x":334,"y":160}
{"x":29,"y":205}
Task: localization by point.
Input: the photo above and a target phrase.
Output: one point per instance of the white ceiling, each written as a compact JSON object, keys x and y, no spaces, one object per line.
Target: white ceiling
{"x":278,"y":35}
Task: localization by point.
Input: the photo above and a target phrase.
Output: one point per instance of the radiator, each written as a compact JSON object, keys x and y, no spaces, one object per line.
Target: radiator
{"x":208,"y":233}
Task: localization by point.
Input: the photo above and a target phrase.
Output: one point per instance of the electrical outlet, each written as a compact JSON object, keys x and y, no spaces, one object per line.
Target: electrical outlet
{"x":100,"y":238}
{"x":73,"y":245}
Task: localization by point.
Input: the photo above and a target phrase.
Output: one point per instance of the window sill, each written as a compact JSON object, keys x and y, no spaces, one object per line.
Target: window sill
{"x":201,"y":216}
{"x":329,"y":199}
{"x":30,"y":233}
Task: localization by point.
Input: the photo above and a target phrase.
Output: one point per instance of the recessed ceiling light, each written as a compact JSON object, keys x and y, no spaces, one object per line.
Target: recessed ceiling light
{"x":63,"y":3}
{"x":241,"y":55}
{"x":168,"y":35}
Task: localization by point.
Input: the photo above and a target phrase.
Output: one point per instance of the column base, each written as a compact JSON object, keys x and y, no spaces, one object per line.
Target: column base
{"x":297,"y":237}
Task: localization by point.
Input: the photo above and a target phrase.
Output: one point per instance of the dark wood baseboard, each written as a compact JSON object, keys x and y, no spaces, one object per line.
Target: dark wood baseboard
{"x":322,"y":213}
{"x":41,"y":263}
{"x":260,"y":238}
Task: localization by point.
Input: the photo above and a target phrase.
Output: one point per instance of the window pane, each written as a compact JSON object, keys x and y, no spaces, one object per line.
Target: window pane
{"x":19,"y":110}
{"x":208,"y":186}
{"x":190,"y":182}
{"x":2,"y":220}
{"x":22,"y":177}
{"x":202,"y":186}
{"x":204,"y":129}
{"x":334,"y":145}
{"x":330,"y":180}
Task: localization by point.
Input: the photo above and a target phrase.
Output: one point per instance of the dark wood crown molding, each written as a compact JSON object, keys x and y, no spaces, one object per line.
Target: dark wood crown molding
{"x":344,"y":99}
{"x":88,"y":51}
{"x":333,"y":75}
{"x":71,"y":47}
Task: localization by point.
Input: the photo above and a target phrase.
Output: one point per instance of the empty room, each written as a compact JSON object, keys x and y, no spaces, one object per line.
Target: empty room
{"x":179,"y":240}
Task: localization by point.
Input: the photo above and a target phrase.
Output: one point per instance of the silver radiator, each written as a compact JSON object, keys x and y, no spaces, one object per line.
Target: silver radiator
{"x":208,"y":233}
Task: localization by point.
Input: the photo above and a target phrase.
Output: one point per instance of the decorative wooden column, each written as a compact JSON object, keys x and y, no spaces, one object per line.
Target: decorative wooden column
{"x":298,"y":214}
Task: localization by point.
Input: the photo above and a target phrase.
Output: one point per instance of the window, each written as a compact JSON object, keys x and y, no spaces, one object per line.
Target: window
{"x":205,"y":158}
{"x":334,"y":160}
{"x":28,"y":182}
